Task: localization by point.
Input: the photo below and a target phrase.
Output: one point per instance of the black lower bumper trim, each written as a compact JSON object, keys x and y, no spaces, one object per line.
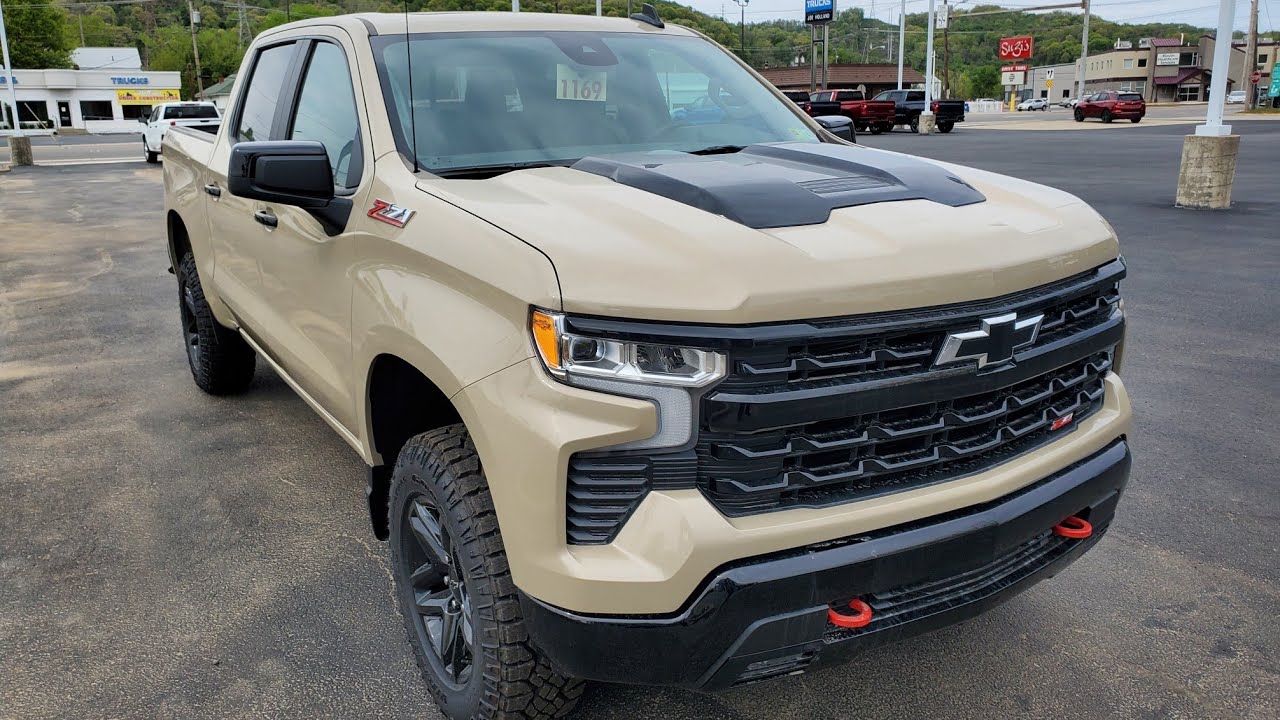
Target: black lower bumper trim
{"x":767,"y":616}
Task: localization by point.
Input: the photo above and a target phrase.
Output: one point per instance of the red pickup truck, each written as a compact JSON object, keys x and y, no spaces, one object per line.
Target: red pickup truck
{"x":873,"y":115}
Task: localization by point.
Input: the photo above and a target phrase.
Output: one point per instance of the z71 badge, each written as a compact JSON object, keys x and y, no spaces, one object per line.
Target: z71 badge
{"x":391,"y":214}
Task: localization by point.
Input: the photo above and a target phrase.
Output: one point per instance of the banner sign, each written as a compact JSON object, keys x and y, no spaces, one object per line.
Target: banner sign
{"x":1015,"y":48}
{"x":819,"y":12}
{"x":147,"y":97}
{"x":1166,"y":58}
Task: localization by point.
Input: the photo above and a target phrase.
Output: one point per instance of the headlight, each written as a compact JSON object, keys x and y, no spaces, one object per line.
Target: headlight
{"x":665,"y":374}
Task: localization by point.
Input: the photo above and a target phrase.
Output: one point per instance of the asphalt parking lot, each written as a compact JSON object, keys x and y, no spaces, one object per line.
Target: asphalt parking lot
{"x":166,"y":554}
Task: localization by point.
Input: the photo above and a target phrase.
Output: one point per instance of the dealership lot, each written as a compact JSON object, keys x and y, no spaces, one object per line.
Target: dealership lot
{"x":169,"y":554}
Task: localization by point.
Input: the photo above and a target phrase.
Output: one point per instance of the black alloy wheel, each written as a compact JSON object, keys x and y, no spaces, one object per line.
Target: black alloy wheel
{"x":1079,"y":115}
{"x":441,"y":602}
{"x":190,"y":327}
{"x":1106,"y":116}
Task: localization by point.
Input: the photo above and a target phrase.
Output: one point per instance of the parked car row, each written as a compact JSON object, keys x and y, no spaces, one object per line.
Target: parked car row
{"x":883,"y":112}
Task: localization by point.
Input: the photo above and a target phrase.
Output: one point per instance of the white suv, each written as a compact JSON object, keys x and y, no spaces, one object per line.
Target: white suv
{"x":195,"y":115}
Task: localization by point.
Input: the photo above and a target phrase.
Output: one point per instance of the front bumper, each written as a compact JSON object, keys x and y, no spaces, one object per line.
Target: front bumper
{"x":767,"y":616}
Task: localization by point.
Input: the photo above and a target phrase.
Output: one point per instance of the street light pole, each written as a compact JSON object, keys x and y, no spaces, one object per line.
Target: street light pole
{"x":902,"y":39}
{"x":8,"y":75}
{"x":926,"y":117}
{"x":1218,"y":85}
{"x":1084,"y":52}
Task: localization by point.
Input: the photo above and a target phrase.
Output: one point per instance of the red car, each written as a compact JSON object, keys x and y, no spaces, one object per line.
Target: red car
{"x":873,"y":115}
{"x":1112,"y":105}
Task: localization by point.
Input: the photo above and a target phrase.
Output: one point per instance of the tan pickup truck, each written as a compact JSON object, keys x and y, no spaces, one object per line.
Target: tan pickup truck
{"x":657,"y":381}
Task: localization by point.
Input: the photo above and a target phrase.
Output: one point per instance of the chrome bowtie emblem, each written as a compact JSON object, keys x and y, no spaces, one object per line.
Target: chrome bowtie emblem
{"x":994,"y":343}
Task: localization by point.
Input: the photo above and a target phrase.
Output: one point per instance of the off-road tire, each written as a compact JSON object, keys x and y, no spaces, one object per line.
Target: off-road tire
{"x":1079,"y":115}
{"x":508,"y":679}
{"x":152,"y":158}
{"x":945,"y":127}
{"x":1106,"y":116}
{"x":221,"y":361}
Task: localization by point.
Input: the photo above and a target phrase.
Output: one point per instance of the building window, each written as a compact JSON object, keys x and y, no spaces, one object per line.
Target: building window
{"x":1142,"y":62}
{"x":133,"y":112}
{"x":1066,"y":93}
{"x":1189,"y":92}
{"x":1140,"y":86}
{"x":1128,"y":63}
{"x":1262,"y":59}
{"x":1044,"y":94}
{"x":33,"y":114}
{"x":1188,"y":59}
{"x":96,"y":110}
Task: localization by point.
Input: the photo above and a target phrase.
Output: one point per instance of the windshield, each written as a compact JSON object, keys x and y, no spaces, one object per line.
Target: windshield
{"x":514,"y":98}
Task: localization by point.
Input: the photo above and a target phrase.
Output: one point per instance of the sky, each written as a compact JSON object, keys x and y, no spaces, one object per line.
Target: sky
{"x":1203,"y":13}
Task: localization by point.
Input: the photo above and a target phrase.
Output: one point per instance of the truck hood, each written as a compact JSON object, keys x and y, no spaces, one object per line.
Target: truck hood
{"x":685,"y":244}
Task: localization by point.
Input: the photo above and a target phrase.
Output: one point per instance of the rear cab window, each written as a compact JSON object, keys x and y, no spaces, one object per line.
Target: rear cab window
{"x":1130,"y":97}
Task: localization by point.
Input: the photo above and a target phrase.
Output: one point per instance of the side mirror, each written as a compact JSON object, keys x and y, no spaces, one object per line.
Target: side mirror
{"x":142,"y":119}
{"x":838,"y":125}
{"x":289,"y":172}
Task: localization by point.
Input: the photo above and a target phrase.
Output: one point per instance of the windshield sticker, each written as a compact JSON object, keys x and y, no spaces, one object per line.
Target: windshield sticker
{"x":799,"y":133}
{"x":581,"y":85}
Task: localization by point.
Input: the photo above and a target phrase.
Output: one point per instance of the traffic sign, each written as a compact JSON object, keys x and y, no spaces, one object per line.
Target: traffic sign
{"x":1255,"y":77}
{"x":1275,"y":84}
{"x":1048,"y":75}
{"x":1049,"y":83}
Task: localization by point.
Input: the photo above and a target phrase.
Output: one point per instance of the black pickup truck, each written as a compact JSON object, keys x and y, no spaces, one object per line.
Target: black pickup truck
{"x":910,"y":103}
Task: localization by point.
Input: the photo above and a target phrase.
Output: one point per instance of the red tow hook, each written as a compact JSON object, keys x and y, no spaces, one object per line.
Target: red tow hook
{"x":862,"y":619}
{"x":1076,"y":528}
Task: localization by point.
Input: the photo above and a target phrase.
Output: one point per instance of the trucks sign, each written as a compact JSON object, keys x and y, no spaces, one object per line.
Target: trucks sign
{"x":819,"y":12}
{"x":1015,"y":48}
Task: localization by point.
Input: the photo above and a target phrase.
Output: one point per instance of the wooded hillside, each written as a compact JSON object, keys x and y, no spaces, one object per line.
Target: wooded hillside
{"x":42,"y":33}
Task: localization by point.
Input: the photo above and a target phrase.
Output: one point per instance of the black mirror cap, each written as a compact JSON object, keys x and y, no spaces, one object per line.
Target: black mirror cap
{"x":286,"y":172}
{"x":838,"y":125}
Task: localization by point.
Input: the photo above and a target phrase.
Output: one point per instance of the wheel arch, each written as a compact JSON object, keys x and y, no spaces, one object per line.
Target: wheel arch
{"x":179,"y":238}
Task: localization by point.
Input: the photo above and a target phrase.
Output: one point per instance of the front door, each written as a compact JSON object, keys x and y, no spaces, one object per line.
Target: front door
{"x":64,"y":114}
{"x":306,"y":284}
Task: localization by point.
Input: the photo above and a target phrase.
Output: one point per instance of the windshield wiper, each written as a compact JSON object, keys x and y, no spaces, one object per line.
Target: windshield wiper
{"x":497,"y":169}
{"x":717,"y":150}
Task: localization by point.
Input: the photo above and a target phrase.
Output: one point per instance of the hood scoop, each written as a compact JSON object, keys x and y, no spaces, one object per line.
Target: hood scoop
{"x":783,"y":185}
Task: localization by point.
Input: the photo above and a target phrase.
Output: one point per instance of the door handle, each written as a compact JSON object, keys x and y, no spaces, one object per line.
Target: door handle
{"x":266,"y":217}
{"x":213,"y":190}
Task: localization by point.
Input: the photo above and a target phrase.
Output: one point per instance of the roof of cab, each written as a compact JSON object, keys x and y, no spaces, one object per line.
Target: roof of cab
{"x":394,"y":23}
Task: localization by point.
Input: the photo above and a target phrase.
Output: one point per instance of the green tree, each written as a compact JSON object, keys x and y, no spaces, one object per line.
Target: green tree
{"x":37,"y":35}
{"x":984,"y":81}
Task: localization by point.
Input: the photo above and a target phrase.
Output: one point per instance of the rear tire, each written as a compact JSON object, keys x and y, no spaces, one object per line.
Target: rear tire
{"x":945,"y":127}
{"x":1106,"y":116}
{"x":221,"y":361}
{"x":1136,"y":120}
{"x":451,"y":576}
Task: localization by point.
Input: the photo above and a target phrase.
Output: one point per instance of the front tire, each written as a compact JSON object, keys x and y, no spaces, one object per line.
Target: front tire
{"x":221,"y":361}
{"x":454,"y":587}
{"x":915,"y":123}
{"x":1079,"y":115}
{"x":876,"y":129}
{"x":151,"y":157}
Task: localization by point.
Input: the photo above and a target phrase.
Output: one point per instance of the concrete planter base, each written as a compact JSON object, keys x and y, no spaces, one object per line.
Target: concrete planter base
{"x":1208,"y":171}
{"x":19,"y":150}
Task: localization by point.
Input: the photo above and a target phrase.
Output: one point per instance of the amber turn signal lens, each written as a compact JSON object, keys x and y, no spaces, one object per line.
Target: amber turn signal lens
{"x":547,"y":338}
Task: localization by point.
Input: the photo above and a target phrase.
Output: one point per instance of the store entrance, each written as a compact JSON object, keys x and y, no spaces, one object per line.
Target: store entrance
{"x":64,"y":114}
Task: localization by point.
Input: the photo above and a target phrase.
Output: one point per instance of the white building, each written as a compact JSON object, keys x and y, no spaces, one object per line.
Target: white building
{"x":108,"y":94}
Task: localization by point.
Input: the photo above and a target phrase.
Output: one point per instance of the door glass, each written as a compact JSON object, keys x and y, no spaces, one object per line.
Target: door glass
{"x":915,"y":95}
{"x":258,"y":106}
{"x":326,"y":112}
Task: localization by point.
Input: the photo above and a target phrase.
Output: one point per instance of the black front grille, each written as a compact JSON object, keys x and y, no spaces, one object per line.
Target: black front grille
{"x":905,"y":603}
{"x":823,"y":412}
{"x":860,"y":456}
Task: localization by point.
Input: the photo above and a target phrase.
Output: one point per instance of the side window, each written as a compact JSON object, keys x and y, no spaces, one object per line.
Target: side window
{"x":915,"y":96}
{"x":326,"y":112}
{"x":258,"y":104}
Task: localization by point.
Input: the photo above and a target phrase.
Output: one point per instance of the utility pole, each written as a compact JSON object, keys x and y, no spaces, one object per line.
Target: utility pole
{"x":195,"y":49}
{"x":946,"y":50}
{"x":902,"y":39}
{"x":742,"y":29}
{"x":242,"y":26}
{"x":1251,"y":58}
{"x":1084,"y":52}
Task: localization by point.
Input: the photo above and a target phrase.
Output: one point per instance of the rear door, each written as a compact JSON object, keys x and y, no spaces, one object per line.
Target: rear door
{"x":235,"y":235}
